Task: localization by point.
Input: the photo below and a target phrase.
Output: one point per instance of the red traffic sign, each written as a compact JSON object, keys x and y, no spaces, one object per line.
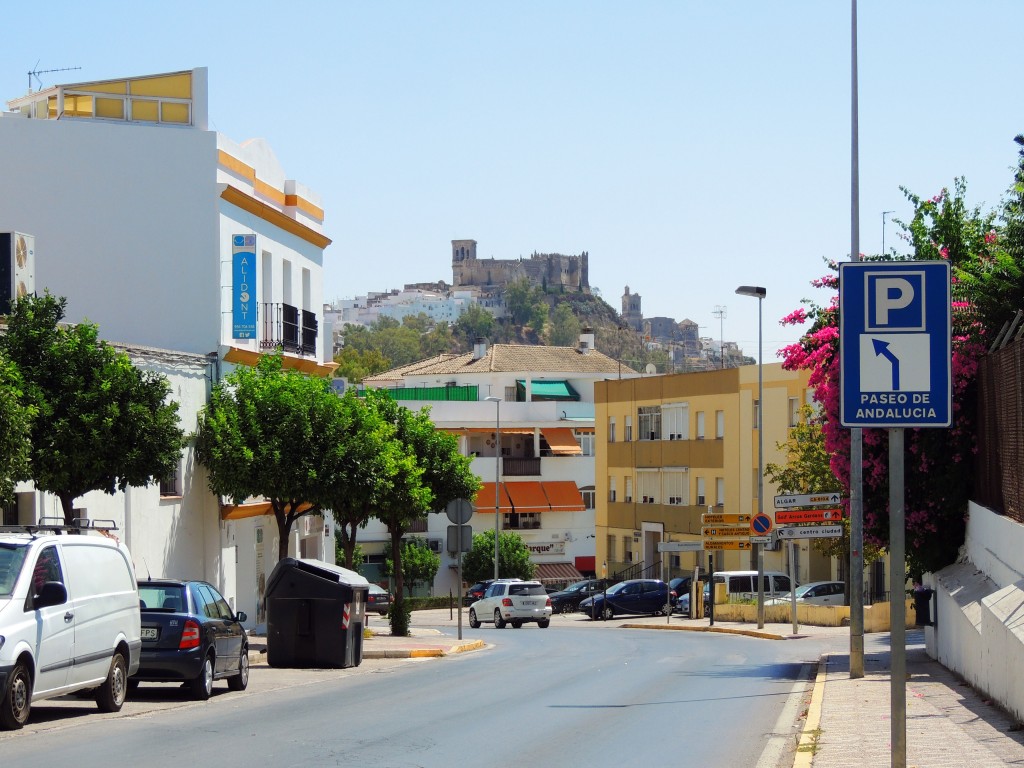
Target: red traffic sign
{"x":807,"y":515}
{"x":760,"y":524}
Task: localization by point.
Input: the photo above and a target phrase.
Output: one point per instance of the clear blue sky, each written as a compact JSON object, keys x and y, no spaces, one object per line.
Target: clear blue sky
{"x":689,"y":147}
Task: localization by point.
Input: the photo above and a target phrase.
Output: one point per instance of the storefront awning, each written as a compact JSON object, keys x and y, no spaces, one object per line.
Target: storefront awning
{"x":548,"y":390}
{"x":562,"y":441}
{"x":528,"y":496}
{"x":255,"y":509}
{"x":563,"y":496}
{"x":586,"y":563}
{"x":484,"y":501}
{"x":557,"y":572}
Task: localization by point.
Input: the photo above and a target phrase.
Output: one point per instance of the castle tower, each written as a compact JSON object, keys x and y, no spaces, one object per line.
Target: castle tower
{"x":462,"y":251}
{"x":631,"y":312}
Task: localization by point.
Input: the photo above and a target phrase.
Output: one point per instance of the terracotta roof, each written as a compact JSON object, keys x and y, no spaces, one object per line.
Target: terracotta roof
{"x":508,"y":358}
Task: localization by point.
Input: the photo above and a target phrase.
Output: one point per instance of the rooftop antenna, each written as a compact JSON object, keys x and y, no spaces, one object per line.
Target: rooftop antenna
{"x":34,"y":72}
{"x":721,"y":312}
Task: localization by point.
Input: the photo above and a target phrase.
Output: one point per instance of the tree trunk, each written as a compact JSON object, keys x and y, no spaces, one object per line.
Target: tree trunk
{"x":284,"y":528}
{"x":67,"y":504}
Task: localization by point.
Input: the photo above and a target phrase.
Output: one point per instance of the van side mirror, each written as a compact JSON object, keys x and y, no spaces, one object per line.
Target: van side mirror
{"x":52,"y":593}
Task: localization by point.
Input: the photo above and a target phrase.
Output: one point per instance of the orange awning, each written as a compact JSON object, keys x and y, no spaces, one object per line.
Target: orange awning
{"x":557,"y":572}
{"x":564,"y":496}
{"x":485,"y":499}
{"x":528,"y":496}
{"x":490,"y":430}
{"x":255,"y":509}
{"x":562,"y":441}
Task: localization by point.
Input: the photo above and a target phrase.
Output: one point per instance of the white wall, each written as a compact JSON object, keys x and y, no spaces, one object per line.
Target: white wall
{"x":979,"y":602}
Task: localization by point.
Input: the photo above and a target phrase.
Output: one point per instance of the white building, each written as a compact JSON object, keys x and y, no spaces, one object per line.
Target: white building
{"x":171,"y":236}
{"x":546,"y":414}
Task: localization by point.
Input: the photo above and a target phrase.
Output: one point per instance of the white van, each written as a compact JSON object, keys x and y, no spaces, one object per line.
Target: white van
{"x":742,"y":585}
{"x":69,"y":616}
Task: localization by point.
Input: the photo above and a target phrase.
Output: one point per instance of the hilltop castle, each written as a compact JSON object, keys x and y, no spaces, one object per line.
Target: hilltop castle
{"x":549,"y":271}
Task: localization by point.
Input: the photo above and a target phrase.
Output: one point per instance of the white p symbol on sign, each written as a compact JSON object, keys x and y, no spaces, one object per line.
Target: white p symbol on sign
{"x":891,"y":294}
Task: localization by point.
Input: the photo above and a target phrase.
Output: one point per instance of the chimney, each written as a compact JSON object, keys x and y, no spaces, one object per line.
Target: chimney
{"x":479,"y":348}
{"x":586,"y":340}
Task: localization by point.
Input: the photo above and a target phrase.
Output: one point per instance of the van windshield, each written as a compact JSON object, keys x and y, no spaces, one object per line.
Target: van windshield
{"x":11,"y":558}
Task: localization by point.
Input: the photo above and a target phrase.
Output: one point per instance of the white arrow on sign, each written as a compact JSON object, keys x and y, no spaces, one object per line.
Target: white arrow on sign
{"x":810,"y":531}
{"x":680,"y":546}
{"x":807,"y":499}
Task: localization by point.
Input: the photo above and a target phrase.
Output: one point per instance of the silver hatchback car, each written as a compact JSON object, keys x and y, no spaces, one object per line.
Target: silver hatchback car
{"x":511,"y":601}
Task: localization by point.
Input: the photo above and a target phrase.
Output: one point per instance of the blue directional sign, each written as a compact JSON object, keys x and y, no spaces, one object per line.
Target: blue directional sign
{"x":895,"y":354}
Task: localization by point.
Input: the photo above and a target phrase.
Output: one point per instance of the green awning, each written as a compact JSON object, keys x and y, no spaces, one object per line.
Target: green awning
{"x":548,"y":390}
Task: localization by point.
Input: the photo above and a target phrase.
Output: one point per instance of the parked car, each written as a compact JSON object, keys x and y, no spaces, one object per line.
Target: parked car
{"x":190,"y":635}
{"x":636,"y":596}
{"x":476,"y":591}
{"x":568,"y":599}
{"x":378,"y":599}
{"x":69,"y":617}
{"x":514,"y":602}
{"x":816,"y":593}
{"x":681,"y":586}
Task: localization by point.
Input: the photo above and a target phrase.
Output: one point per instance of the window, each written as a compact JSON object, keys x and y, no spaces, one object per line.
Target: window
{"x":628,"y":437}
{"x":521,"y":521}
{"x":649,"y":487}
{"x":610,"y":544}
{"x":10,"y":513}
{"x":511,"y":394}
{"x":719,"y":425}
{"x":589,"y":497}
{"x":629,"y":490}
{"x":627,"y":549}
{"x":676,"y":421}
{"x":650,"y":422}
{"x":676,"y":487}
{"x":794,"y":411}
{"x":586,"y":441}
{"x":47,"y":569}
{"x":700,"y":491}
{"x":611,"y":429}
{"x":611,"y":489}
{"x":700,"y":425}
{"x":170,"y":486}
{"x":756,"y":413}
{"x":720,"y":491}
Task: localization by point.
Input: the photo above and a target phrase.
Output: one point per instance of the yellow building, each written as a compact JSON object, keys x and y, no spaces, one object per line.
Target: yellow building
{"x":670,"y":448}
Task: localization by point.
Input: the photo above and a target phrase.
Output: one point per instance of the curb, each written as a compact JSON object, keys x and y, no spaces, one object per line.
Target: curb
{"x":260,"y":656}
{"x":722,"y":630}
{"x":807,"y":746}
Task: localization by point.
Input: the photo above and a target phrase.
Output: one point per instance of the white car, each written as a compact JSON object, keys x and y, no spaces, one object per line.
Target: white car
{"x":816,"y":593}
{"x":512,"y":601}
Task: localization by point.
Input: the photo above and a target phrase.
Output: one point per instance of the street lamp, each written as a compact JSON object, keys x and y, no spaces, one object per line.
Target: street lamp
{"x":497,"y":477}
{"x":759,"y":293}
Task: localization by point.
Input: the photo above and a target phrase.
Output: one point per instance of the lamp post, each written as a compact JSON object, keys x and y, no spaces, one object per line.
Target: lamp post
{"x":497,"y":477}
{"x":759,"y":293}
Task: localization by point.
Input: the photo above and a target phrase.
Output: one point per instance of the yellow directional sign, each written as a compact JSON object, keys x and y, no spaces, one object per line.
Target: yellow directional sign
{"x":713,"y":518}
{"x":725,"y":531}
{"x":726,"y":544}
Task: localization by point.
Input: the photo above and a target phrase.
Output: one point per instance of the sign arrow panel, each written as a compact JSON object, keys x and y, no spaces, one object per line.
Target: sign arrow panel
{"x":810,"y":532}
{"x":791,"y":500}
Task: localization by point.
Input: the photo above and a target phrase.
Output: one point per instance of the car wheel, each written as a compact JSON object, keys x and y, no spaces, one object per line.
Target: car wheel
{"x":202,"y":684}
{"x":516,"y":623}
{"x":543,"y":623}
{"x":18,"y":701}
{"x":474,"y":622}
{"x":241,"y":680}
{"x":607,"y":613}
{"x":499,"y":623}
{"x":111,"y":695}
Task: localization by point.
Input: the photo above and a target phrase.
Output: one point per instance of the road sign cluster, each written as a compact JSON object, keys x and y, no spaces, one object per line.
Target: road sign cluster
{"x":731,"y":531}
{"x":817,"y":514}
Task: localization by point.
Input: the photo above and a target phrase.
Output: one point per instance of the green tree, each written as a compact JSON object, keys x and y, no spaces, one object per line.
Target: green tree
{"x":15,"y":428}
{"x":420,"y":322}
{"x":355,"y":364}
{"x":475,"y":322}
{"x":274,"y":433}
{"x":513,"y":557}
{"x":437,"y":340}
{"x":519,"y":301}
{"x":100,"y":424}
{"x":419,"y":563}
{"x":339,"y":556}
{"x":399,"y":345}
{"x":565,"y":328}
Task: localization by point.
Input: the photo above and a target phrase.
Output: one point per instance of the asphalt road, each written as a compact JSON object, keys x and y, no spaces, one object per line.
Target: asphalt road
{"x":577,"y":693}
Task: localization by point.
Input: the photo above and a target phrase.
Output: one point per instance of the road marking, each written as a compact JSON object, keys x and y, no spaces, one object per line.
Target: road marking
{"x":779,"y":749}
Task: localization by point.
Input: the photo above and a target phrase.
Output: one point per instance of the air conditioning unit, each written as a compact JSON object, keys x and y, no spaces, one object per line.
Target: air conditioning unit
{"x":436,"y":545}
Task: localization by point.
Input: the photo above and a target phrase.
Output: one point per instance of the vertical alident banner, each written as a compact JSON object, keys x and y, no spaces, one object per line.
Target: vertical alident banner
{"x":243,"y":286}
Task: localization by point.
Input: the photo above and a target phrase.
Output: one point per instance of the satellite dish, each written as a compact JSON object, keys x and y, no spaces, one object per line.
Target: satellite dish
{"x":651,"y":368}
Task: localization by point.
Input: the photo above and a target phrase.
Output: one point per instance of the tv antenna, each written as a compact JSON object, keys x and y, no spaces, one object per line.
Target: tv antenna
{"x":34,"y":72}
{"x":721,"y":312}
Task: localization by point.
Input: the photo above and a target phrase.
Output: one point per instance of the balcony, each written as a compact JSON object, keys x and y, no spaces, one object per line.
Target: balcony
{"x":282,"y":328}
{"x":520,"y":467}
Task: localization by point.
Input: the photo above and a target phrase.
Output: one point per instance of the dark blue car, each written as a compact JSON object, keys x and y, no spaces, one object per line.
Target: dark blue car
{"x":635,"y":596}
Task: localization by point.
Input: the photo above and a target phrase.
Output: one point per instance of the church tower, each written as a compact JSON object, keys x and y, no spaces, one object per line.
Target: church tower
{"x":631,"y":312}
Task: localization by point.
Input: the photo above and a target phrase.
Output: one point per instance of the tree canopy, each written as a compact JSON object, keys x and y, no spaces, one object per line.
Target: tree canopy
{"x":513,"y":557}
{"x":99,"y":423}
{"x":15,"y":428}
{"x":419,"y":563}
{"x":277,"y":434}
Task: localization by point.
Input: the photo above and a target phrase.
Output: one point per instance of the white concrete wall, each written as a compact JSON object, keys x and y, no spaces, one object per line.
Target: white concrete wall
{"x":979,"y":602}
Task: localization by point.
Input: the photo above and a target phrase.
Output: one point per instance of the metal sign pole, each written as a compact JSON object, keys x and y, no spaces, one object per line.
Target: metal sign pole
{"x":792,"y":584}
{"x":459,"y":555}
{"x":897,"y":603}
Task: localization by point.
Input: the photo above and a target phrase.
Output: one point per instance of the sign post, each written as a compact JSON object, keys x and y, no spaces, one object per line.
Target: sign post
{"x":459,"y":511}
{"x":895,"y":360}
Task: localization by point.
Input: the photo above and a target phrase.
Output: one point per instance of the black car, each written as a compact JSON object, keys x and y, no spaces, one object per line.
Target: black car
{"x":476,"y":591}
{"x":190,"y":635}
{"x":569,"y":599}
{"x":378,"y":599}
{"x":635,"y":596}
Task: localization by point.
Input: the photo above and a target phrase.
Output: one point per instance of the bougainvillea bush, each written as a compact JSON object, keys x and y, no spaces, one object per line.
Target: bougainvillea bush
{"x":985,"y":256}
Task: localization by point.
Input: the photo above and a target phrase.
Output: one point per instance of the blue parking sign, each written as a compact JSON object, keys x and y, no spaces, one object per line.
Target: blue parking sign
{"x":895,"y":353}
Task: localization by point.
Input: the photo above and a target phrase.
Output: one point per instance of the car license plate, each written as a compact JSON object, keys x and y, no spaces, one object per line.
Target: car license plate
{"x":149,"y":633}
{"x":529,"y":602}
